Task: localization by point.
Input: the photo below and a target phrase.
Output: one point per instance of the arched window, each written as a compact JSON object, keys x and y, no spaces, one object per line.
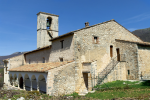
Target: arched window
{"x":43,"y":60}
{"x":49,"y":21}
{"x":111,"y":51}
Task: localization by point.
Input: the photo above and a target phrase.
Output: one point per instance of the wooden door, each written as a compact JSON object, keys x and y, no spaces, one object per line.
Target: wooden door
{"x":118,"y":54}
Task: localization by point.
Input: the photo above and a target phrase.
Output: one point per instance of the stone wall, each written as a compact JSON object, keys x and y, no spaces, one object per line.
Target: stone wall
{"x":118,"y":73}
{"x":12,"y":63}
{"x":67,"y":52}
{"x":129,"y":50}
{"x":38,"y":56}
{"x":144,"y":62}
{"x":61,"y":80}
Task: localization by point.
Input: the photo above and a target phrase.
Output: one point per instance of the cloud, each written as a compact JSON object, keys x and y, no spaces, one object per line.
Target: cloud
{"x":132,"y":29}
{"x":137,"y":18}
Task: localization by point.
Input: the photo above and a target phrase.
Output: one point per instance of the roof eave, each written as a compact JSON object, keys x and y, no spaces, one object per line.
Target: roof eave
{"x":67,"y":34}
{"x":37,"y":49}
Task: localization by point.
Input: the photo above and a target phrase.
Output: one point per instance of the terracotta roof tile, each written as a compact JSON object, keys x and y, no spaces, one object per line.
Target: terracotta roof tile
{"x":40,"y":67}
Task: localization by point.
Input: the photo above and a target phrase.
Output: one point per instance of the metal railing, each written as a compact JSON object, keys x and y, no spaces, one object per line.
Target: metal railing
{"x":102,"y":75}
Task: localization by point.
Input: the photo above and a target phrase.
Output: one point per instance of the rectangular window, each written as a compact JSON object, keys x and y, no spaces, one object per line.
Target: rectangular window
{"x":111,"y":51}
{"x":95,"y":39}
{"x":118,"y":54}
{"x":62,"y":43}
{"x":61,"y":59}
{"x":128,"y":72}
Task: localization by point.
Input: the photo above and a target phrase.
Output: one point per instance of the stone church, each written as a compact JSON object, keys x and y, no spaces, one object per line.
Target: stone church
{"x":78,"y":60}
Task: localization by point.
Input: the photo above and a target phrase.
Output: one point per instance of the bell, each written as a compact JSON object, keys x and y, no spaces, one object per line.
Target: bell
{"x":48,"y":24}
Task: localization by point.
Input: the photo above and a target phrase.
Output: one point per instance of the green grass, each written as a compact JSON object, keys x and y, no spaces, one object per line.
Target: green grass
{"x":119,"y":84}
{"x":110,"y":94}
{"x":120,"y":90}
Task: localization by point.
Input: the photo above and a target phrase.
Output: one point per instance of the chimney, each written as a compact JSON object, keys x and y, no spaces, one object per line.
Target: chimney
{"x":86,"y":24}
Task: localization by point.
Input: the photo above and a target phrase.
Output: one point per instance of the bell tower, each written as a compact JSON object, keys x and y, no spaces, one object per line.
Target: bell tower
{"x":47,"y":28}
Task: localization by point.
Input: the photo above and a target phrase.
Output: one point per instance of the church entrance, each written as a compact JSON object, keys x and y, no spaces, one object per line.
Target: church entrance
{"x":85,"y":76}
{"x":21,"y":83}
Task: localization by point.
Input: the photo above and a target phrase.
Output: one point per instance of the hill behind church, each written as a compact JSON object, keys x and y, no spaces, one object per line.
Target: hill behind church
{"x":144,"y":34}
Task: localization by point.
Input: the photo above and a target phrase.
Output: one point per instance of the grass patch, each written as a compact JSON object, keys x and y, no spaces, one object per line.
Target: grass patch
{"x":122,"y":89}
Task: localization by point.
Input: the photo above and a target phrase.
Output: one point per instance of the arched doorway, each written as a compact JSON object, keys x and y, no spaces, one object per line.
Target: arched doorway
{"x":42,"y":84}
{"x":21,"y":82}
{"x":11,"y":80}
{"x":34,"y":82}
{"x":27,"y":82}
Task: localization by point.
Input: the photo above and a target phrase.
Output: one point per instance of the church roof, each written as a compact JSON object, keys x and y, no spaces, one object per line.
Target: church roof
{"x":39,"y":67}
{"x":72,"y":32}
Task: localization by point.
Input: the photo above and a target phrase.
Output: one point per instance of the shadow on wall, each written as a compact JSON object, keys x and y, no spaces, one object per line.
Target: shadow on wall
{"x":1,"y":77}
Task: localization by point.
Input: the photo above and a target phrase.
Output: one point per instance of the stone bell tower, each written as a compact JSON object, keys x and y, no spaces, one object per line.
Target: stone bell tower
{"x":47,"y":28}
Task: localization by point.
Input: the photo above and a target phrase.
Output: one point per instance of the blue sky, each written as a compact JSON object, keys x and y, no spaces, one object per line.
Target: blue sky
{"x":18,"y":19}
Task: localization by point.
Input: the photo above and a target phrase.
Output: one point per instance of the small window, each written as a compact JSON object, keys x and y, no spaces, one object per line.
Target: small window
{"x":29,"y":61}
{"x":62,"y":43}
{"x":61,"y":59}
{"x":43,"y":60}
{"x":111,"y":51}
{"x":95,"y":39}
{"x":128,"y":72}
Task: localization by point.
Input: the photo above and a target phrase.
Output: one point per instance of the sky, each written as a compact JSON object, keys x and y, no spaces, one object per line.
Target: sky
{"x":18,"y":19}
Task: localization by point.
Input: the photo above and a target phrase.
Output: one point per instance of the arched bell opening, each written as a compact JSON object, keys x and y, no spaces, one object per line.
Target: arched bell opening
{"x":49,"y":21}
{"x":42,"y":84}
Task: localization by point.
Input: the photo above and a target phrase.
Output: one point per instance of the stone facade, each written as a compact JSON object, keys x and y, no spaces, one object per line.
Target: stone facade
{"x":106,"y":34}
{"x":12,"y":63}
{"x":38,"y":56}
{"x":130,"y":51}
{"x":144,"y":62}
{"x":67,"y":52}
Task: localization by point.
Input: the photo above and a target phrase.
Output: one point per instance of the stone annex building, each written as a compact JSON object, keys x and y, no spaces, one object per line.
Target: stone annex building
{"x":78,"y":60}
